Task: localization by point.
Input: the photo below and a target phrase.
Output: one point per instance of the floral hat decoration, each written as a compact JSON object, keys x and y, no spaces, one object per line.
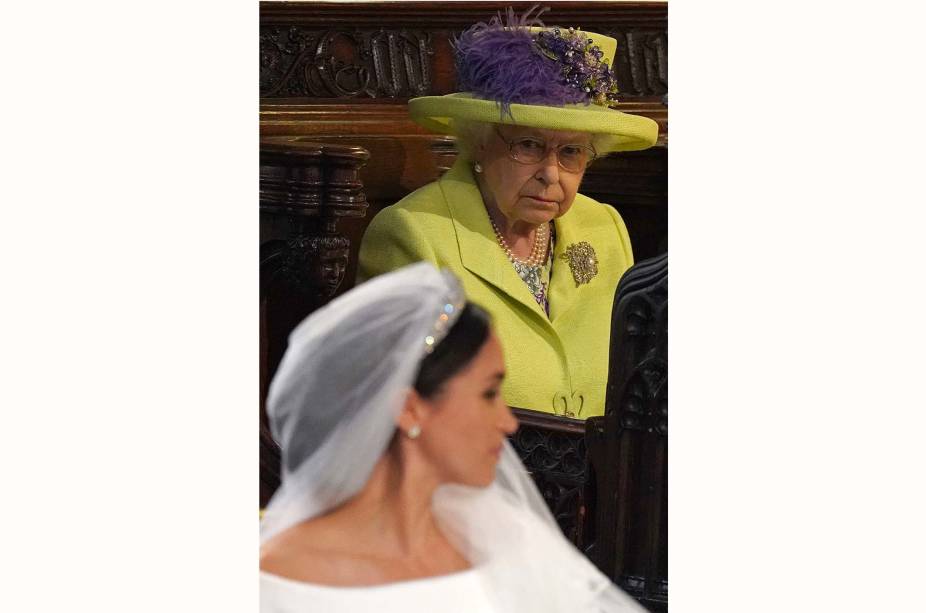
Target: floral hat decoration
{"x":524,"y":73}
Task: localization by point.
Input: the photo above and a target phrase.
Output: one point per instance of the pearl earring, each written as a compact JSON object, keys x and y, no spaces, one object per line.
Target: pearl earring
{"x":477,"y":167}
{"x":414,"y":432}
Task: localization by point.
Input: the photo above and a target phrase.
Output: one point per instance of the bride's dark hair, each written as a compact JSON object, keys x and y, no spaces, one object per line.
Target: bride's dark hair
{"x":456,"y":350}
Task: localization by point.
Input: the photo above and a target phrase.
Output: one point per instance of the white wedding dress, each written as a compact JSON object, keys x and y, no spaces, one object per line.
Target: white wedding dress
{"x":461,"y":592}
{"x":333,"y":406}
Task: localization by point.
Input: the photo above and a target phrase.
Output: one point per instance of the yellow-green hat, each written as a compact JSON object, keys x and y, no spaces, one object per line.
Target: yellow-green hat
{"x":552,"y":78}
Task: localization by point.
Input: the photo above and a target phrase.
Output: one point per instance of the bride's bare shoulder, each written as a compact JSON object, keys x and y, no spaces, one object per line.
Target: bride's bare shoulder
{"x":316,"y":551}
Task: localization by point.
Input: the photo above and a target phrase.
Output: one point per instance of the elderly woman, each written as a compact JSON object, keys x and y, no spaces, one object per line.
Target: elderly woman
{"x":508,"y":219}
{"x":399,"y":491}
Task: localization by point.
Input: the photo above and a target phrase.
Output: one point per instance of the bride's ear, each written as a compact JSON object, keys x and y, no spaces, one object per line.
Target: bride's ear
{"x":415,"y":411}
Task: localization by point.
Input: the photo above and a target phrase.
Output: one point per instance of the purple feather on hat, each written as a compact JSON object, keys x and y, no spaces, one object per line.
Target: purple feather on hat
{"x":502,"y":63}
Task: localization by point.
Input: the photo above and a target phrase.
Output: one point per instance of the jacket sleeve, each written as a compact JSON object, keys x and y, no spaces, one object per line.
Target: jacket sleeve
{"x":622,"y":234}
{"x":391,"y":241}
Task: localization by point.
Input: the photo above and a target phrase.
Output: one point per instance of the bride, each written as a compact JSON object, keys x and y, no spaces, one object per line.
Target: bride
{"x":399,"y":490}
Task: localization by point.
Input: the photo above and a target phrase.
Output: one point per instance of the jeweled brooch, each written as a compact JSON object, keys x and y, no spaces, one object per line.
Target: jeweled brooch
{"x":582,"y":262}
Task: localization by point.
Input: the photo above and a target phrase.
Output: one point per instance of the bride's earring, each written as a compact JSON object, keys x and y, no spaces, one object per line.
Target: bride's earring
{"x":414,"y":432}
{"x":477,"y":167}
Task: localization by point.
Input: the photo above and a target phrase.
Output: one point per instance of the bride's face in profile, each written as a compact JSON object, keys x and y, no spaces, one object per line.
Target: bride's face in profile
{"x":464,"y":432}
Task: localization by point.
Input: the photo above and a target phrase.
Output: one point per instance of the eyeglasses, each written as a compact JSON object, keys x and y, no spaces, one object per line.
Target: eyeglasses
{"x":530,"y":150}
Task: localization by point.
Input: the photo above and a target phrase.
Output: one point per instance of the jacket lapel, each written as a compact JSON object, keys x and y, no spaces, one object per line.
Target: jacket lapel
{"x":479,"y":250}
{"x":563,"y":291}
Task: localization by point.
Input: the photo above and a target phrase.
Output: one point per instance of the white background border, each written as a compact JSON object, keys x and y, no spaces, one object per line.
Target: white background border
{"x":129,"y":327}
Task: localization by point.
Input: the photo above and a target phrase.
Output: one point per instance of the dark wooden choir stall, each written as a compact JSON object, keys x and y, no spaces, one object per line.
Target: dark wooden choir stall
{"x":337,"y":146}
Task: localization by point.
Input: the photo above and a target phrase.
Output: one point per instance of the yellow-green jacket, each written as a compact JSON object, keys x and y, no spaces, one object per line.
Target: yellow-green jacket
{"x":555,"y":365}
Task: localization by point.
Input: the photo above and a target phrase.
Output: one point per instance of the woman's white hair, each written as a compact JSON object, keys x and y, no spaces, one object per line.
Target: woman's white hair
{"x":471,"y":135}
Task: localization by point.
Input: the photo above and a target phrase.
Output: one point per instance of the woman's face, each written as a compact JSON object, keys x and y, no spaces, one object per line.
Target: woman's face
{"x":528,"y":193}
{"x":469,"y":420}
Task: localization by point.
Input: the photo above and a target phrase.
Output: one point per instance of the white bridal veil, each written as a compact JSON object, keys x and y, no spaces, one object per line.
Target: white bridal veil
{"x":332,"y":408}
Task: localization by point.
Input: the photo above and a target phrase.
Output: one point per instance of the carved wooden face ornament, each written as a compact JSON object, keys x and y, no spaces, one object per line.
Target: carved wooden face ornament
{"x":329,"y":268}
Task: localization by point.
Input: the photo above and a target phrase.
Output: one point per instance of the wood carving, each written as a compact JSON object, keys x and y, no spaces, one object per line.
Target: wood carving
{"x":305,"y":190}
{"x":642,"y":62}
{"x":300,"y":62}
{"x":553,"y":450}
{"x":627,"y":447}
{"x":398,"y":50}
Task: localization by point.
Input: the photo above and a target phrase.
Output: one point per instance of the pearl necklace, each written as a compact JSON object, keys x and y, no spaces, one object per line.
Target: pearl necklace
{"x":538,"y":251}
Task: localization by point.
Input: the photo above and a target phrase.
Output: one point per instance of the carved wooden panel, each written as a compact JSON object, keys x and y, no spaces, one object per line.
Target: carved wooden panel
{"x":627,"y":530}
{"x":636,"y":183}
{"x":304,"y":179}
{"x":306,"y":190}
{"x":397,"y":50}
{"x":642,"y":62}
{"x":300,"y":62}
{"x":553,"y":450}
